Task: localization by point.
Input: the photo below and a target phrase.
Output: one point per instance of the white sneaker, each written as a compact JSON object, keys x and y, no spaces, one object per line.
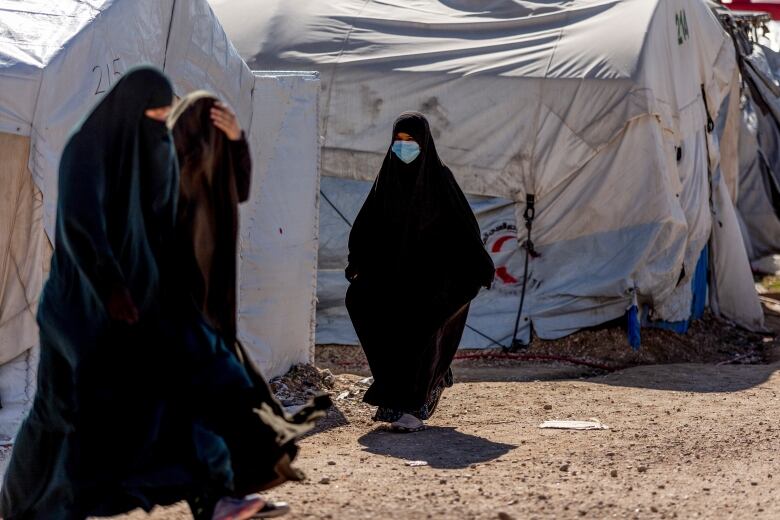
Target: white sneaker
{"x":408,"y":424}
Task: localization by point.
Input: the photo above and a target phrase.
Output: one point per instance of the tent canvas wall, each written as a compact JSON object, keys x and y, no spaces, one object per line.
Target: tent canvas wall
{"x":56,"y":59}
{"x":598,"y":108}
{"x":756,"y":189}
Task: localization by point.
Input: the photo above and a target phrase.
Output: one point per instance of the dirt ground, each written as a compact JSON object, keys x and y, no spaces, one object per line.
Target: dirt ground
{"x":685,"y":440}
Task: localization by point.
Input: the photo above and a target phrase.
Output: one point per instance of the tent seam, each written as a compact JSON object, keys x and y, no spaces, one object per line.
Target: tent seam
{"x":168,"y":36}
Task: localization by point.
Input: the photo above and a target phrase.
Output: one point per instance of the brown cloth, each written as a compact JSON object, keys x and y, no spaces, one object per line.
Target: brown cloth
{"x":215,"y":177}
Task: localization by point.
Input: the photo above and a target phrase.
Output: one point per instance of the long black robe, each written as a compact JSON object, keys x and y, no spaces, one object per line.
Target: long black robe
{"x":416,"y":260}
{"x":96,"y":434}
{"x":215,"y":177}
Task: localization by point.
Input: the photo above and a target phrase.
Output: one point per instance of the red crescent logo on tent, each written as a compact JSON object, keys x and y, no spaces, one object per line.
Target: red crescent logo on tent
{"x":500,"y":242}
{"x":502,"y":273}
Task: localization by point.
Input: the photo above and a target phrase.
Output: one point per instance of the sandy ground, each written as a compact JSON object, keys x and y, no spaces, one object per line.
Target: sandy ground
{"x":685,"y":441}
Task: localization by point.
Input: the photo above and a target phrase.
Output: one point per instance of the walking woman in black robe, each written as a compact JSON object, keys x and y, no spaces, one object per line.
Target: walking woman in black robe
{"x":97,"y":437}
{"x":216,"y":170}
{"x":416,"y":260}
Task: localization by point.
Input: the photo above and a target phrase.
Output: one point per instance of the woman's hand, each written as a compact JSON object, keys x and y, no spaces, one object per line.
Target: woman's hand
{"x":224,"y":119}
{"x":121,"y":306}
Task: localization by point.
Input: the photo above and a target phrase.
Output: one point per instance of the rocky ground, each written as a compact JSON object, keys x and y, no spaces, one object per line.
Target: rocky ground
{"x":694,"y":432}
{"x":697,"y":439}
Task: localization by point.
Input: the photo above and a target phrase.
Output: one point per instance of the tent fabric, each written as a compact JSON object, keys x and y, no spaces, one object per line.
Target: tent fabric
{"x":758,"y":174}
{"x":756,"y":191}
{"x":22,"y":250}
{"x":279,"y":236}
{"x":17,"y":389}
{"x":455,"y":62}
{"x":70,"y":52}
{"x":733,"y":293}
{"x":582,"y":103}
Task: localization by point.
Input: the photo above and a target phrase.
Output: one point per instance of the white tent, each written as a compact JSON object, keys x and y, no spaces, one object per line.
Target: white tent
{"x":56,"y":59}
{"x":598,"y":108}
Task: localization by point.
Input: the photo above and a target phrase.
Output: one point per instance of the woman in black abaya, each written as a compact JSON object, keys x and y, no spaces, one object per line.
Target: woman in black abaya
{"x":95,"y":439}
{"x":416,"y":260}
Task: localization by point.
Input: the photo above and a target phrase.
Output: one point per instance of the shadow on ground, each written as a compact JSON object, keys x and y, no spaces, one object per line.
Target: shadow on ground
{"x":334,"y":418}
{"x":691,"y":377}
{"x":454,"y":449}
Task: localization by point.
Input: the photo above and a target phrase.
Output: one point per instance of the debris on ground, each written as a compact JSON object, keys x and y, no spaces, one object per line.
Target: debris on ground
{"x":302,"y":382}
{"x":416,"y":463}
{"x":592,"y":424}
{"x":297,"y":386}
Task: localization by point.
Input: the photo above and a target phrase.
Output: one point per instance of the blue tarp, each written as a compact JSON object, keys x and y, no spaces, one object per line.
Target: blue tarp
{"x":699,"y":285}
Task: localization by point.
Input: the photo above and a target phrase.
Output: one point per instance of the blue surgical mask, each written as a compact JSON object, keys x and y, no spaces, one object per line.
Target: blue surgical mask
{"x":407,"y":151}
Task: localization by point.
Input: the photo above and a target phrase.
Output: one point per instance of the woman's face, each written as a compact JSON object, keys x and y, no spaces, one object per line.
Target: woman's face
{"x":159,"y":114}
{"x":403,"y":136}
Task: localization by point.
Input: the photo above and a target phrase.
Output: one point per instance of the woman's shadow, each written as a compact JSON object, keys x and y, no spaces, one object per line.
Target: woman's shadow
{"x":440,"y":447}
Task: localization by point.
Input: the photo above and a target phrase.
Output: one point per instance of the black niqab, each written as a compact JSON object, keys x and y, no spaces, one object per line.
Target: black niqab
{"x":117,"y":192}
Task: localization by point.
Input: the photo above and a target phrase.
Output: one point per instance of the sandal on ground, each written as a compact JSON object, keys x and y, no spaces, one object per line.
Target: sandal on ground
{"x":273,"y":510}
{"x":229,"y":508}
{"x":407,"y":424}
{"x":270,"y":509}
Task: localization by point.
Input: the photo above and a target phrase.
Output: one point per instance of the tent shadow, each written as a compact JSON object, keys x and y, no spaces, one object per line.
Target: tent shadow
{"x":440,"y":447}
{"x":691,"y":377}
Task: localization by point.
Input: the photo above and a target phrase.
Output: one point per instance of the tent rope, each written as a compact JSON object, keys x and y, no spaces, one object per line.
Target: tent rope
{"x":528,"y":215}
{"x":336,"y":209}
{"x":492,"y":341}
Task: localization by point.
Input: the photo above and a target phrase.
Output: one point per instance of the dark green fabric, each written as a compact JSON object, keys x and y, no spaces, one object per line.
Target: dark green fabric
{"x":101,"y":436}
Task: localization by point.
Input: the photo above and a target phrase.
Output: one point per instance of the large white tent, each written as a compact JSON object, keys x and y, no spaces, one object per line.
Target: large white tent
{"x":598,"y":108}
{"x":56,"y":59}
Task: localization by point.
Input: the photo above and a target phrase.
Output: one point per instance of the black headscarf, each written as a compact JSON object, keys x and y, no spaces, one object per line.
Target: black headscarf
{"x":118,"y":184}
{"x":416,"y":219}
